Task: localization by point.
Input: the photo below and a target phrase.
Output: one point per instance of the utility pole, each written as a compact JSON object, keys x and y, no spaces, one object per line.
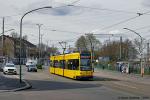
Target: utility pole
{"x":148,"y":52}
{"x":47,"y":47}
{"x":120,"y":47}
{"x":92,"y":50}
{"x":3,"y":28}
{"x":63,"y":45}
{"x":115,"y":35}
{"x":69,"y":47}
{"x":41,"y":45}
{"x":141,"y":50}
{"x":39,"y":27}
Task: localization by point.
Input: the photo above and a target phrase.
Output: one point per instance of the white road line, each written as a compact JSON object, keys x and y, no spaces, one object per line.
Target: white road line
{"x":125,"y":85}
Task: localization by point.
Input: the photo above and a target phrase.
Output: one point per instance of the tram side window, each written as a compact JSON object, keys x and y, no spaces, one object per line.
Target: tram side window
{"x":51,"y":63}
{"x":76,"y":64}
{"x":56,"y":63}
{"x":62,"y":63}
{"x":73,"y":64}
{"x":69,"y":64}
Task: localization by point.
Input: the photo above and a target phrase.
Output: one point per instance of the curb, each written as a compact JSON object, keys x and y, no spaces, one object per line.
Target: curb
{"x":28,"y":86}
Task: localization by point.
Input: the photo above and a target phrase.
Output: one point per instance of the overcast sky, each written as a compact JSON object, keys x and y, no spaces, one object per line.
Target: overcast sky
{"x":102,"y":16}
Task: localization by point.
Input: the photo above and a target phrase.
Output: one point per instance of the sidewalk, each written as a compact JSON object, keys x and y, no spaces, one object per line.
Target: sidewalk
{"x":7,"y":83}
{"x":122,"y":76}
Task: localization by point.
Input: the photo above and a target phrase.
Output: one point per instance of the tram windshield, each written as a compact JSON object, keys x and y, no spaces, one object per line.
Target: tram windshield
{"x":85,"y":64}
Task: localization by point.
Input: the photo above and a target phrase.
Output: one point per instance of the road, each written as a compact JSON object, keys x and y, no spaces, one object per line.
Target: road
{"x":7,"y":82}
{"x":52,"y":87}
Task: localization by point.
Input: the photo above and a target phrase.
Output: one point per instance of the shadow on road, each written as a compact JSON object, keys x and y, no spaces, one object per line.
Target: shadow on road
{"x":104,"y":79}
{"x":40,"y":85}
{"x":9,"y":83}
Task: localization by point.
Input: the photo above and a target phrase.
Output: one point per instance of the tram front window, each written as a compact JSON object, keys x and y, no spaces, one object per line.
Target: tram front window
{"x":85,"y":64}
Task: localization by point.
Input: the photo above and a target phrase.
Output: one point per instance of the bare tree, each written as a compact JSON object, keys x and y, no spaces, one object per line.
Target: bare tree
{"x":140,"y":45}
{"x":92,"y":42}
{"x":111,"y":50}
{"x":15,"y":35}
{"x":88,"y":43}
{"x":81,"y":44}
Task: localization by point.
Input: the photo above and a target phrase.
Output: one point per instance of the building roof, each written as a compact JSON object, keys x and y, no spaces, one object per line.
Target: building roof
{"x":17,"y":39}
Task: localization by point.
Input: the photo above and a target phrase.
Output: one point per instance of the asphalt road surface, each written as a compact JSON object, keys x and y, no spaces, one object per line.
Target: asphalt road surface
{"x":47,"y":86}
{"x":9,"y":82}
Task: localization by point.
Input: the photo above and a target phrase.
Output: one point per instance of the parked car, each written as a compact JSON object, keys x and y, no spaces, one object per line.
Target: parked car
{"x":32,"y":67}
{"x":9,"y":68}
{"x":1,"y":67}
{"x":29,"y":62}
{"x":2,"y":62}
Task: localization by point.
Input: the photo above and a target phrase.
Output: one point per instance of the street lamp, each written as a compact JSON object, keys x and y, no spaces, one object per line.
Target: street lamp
{"x":47,"y":7}
{"x":39,"y":26}
{"x":135,"y":33}
{"x":141,"y":51}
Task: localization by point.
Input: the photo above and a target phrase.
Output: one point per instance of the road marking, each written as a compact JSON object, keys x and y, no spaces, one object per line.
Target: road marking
{"x":124,"y":85}
{"x":15,"y":76}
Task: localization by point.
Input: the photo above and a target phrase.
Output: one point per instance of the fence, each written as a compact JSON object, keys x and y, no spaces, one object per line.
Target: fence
{"x":133,"y":67}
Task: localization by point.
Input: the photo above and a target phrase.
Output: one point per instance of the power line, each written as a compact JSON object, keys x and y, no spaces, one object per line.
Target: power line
{"x":124,"y":21}
{"x":140,"y":28}
{"x":10,"y":15}
{"x":56,"y":30}
{"x":145,"y":13}
{"x":148,"y":26}
{"x":139,"y":14}
{"x":53,"y":8}
{"x":105,"y":9}
{"x":74,"y":2}
{"x":121,"y":22}
{"x":100,"y":9}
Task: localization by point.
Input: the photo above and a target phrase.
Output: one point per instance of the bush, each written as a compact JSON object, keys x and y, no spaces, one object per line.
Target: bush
{"x":39,"y":66}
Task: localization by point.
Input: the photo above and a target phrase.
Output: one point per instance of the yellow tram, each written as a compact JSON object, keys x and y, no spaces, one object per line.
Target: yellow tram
{"x":74,"y":65}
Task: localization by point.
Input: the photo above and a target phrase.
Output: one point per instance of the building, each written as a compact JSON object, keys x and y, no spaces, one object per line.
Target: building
{"x":11,"y":49}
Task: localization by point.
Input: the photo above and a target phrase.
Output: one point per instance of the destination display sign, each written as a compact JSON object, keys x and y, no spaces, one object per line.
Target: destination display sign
{"x":85,"y":57}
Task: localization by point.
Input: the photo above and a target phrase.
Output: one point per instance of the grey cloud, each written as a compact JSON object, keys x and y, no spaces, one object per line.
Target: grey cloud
{"x":62,"y":11}
{"x":146,"y":3}
{"x":59,"y":9}
{"x":32,"y":5}
{"x":37,"y":5}
{"x":67,"y":1}
{"x":27,"y":23}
